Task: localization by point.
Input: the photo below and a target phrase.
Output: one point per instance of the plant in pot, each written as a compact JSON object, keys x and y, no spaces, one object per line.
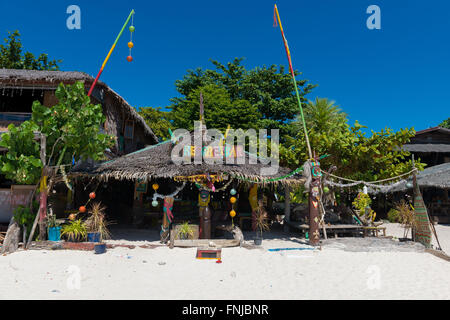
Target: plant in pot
{"x":75,"y":231}
{"x":365,"y":214}
{"x":261,"y":225}
{"x":407,"y":219}
{"x":185,"y":231}
{"x":96,"y":224}
{"x":54,"y":228}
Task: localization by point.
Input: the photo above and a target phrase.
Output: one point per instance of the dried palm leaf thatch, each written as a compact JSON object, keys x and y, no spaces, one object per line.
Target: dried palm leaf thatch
{"x":155,"y":162}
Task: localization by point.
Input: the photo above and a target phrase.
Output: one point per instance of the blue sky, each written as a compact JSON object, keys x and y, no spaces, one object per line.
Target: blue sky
{"x":397,"y":76}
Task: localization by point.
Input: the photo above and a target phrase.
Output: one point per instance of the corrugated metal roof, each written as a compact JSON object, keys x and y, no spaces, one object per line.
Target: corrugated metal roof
{"x":422,"y":147}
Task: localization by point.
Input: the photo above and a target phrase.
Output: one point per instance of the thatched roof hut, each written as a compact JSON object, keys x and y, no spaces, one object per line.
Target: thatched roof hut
{"x":433,"y":177}
{"x":49,"y":80}
{"x":156,"y":162}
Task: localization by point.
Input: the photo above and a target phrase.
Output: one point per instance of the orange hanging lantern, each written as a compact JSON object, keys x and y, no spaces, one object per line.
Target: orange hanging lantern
{"x":232,"y":213}
{"x":155,"y":186}
{"x":92,"y":195}
{"x":233,"y":200}
{"x":82,"y":209}
{"x":129,"y":58}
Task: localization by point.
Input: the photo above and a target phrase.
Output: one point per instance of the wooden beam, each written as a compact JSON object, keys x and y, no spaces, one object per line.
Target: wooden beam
{"x":287,"y":207}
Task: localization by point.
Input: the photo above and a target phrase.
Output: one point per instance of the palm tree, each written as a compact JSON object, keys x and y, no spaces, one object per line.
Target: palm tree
{"x":323,"y":115}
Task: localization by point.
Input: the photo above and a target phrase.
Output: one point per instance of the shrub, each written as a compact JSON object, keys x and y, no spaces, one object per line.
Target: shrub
{"x":393,"y":215}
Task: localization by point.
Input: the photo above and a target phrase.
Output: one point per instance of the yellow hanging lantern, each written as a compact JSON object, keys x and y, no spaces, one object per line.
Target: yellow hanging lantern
{"x":232,"y":213}
{"x":233,"y":200}
{"x":155,"y":186}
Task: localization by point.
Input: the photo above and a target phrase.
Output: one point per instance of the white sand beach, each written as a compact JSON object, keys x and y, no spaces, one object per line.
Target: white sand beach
{"x":164,"y":273}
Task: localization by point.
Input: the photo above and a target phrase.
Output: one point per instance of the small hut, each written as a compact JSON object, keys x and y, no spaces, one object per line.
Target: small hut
{"x":210,"y":195}
{"x":434,"y":183}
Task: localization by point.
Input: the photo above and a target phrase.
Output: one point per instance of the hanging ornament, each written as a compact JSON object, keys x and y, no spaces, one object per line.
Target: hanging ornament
{"x":131,"y":44}
{"x":155,"y":203}
{"x":92,"y":195}
{"x":155,"y":186}
{"x":326,"y":189}
{"x":233,"y":200}
{"x":232,"y":213}
{"x":82,"y":209}
{"x":233,"y":192}
{"x":409,"y":185}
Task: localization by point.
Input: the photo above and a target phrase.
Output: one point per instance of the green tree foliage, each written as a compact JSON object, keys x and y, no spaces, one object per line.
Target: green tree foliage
{"x":11,"y":56}
{"x":355,"y":155}
{"x":72,"y":126}
{"x":22,"y":162}
{"x":268,"y":91}
{"x":220,"y":112}
{"x":445,"y":124}
{"x":158,"y":120}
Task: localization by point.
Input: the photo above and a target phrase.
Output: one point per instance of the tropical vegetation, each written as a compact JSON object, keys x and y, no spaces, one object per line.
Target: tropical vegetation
{"x":12,"y":57}
{"x":72,"y":128}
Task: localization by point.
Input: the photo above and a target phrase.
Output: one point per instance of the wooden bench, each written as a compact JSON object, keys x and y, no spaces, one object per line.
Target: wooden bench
{"x":374,"y":231}
{"x":335,"y":229}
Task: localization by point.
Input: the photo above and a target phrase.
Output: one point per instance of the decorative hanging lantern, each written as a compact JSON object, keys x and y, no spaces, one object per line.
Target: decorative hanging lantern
{"x":82,"y":209}
{"x":131,"y":44}
{"x":155,"y":203}
{"x":233,"y":192}
{"x":326,"y":189}
{"x":92,"y":195}
{"x":233,"y":200}
{"x":232,"y":213}
{"x":155,"y":186}
{"x":409,"y":185}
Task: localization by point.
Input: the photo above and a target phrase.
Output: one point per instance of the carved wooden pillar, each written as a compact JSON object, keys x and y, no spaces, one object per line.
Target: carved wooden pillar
{"x":314,"y":210}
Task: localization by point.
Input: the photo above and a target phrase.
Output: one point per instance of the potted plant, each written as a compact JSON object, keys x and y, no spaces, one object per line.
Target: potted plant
{"x":407,"y":219}
{"x":75,"y":231}
{"x":261,"y":226}
{"x":54,"y":228}
{"x":96,"y":224}
{"x":185,"y":231}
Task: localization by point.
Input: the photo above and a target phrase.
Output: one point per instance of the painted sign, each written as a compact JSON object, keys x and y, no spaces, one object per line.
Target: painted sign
{"x":228,"y":151}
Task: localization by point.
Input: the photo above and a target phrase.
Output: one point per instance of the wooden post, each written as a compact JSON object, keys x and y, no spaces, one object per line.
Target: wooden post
{"x":43,"y":196}
{"x":314,"y":210}
{"x":287,"y":207}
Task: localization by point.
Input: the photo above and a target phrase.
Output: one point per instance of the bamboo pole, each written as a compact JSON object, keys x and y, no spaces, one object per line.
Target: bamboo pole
{"x":288,"y":53}
{"x":110,"y":52}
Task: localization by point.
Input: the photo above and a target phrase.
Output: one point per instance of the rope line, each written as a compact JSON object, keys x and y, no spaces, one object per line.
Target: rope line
{"x":356,"y":182}
{"x":267,"y":180}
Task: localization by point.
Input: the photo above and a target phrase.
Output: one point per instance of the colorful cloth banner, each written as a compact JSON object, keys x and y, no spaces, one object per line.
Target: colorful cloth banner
{"x":422,"y":230}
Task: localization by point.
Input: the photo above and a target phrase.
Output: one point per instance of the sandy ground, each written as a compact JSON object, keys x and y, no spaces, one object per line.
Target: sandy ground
{"x":163,"y":273}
